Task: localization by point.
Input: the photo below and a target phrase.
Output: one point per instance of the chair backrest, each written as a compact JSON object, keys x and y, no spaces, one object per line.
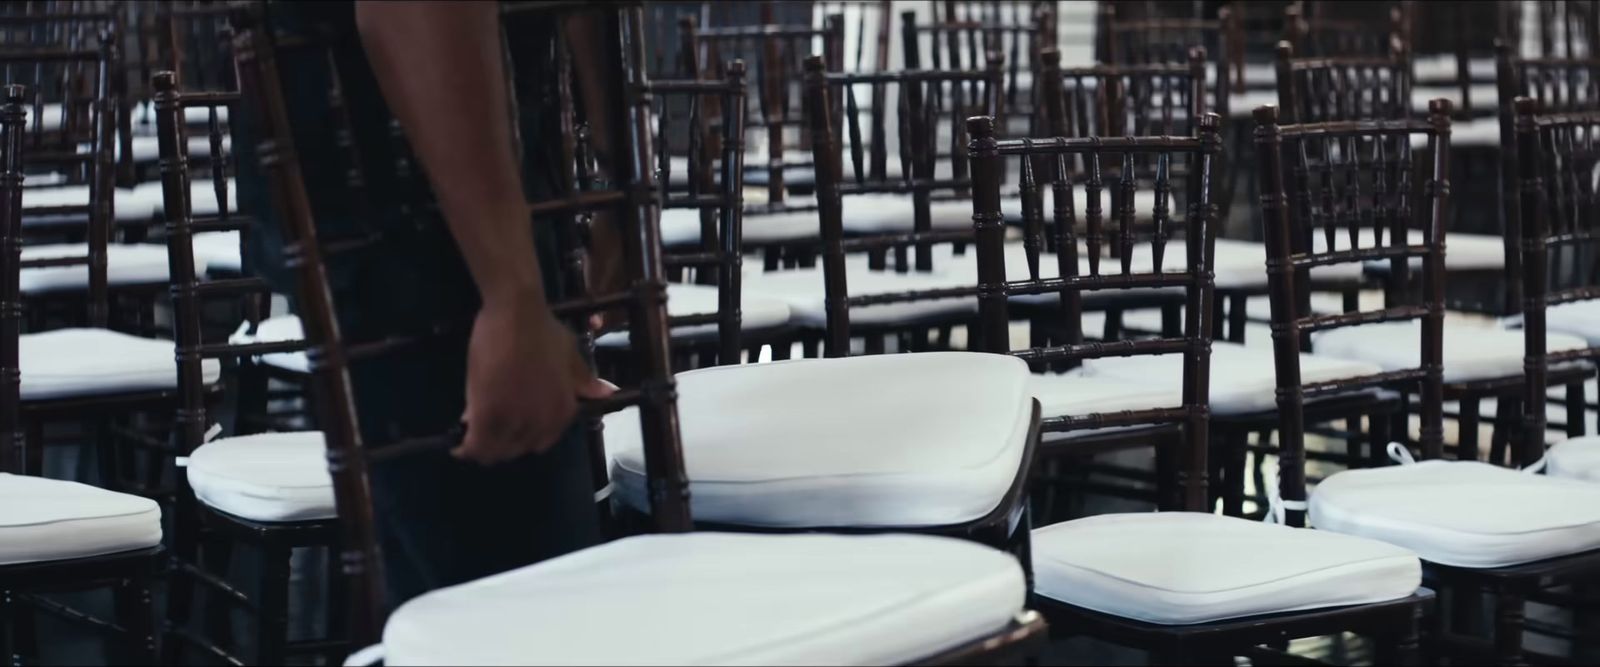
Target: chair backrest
{"x":927,"y":102}
{"x":1558,"y":29}
{"x":1196,"y":222}
{"x":1557,"y":153}
{"x":1329,"y":29}
{"x":776,"y":51}
{"x":1155,"y":40}
{"x":1344,"y":178}
{"x":630,"y":196}
{"x":190,"y":291}
{"x":719,"y":197}
{"x":872,"y":22}
{"x":1556,"y":85}
{"x":964,"y":35}
{"x":79,"y":77}
{"x":1322,"y":89}
{"x":12,"y":118}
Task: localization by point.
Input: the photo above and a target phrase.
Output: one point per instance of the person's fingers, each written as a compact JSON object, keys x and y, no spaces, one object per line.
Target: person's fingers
{"x":594,"y":389}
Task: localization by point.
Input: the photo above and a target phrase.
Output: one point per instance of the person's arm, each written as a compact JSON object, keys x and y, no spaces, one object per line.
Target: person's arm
{"x":439,"y":65}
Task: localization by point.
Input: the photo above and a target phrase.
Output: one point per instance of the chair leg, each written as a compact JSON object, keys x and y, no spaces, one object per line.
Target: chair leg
{"x":1468,"y":426}
{"x":1404,"y":645}
{"x":1237,"y":312}
{"x":1507,"y":415}
{"x":1377,"y":440}
{"x":338,"y":604}
{"x":136,"y":612}
{"x":180,"y":584}
{"x":33,"y":448}
{"x":24,"y":631}
{"x":272,"y":620}
{"x":216,"y":557}
{"x":7,"y":656}
{"x":1577,"y":416}
{"x":1236,"y":444}
{"x":1508,"y":621}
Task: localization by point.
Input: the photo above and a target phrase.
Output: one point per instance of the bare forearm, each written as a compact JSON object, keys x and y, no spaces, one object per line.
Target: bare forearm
{"x":439,"y":65}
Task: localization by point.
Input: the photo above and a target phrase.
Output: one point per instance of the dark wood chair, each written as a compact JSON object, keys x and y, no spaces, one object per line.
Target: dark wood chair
{"x":62,"y":536}
{"x":868,"y":469}
{"x":713,"y":321}
{"x":775,"y":52}
{"x":284,"y":509}
{"x":433,"y":627}
{"x":1084,"y":577}
{"x":1560,"y":29}
{"x":1505,"y":559}
{"x":963,"y":34}
{"x":1324,"y":29}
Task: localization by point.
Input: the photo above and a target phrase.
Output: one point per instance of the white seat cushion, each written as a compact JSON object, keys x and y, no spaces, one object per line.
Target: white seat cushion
{"x":719,"y":599}
{"x":1463,"y":252}
{"x":1243,"y":379}
{"x":1180,"y":568}
{"x":202,"y":196}
{"x":126,"y":265}
{"x":802,"y":290}
{"x":1443,"y":66}
{"x":128,"y":205}
{"x":1243,"y":265}
{"x":859,"y":441}
{"x":1471,"y":351}
{"x":1480,"y":132}
{"x":681,"y":226}
{"x":1462,"y":513}
{"x":1577,"y":458}
{"x":83,"y":362}
{"x":755,"y":312}
{"x":50,"y":519}
{"x":265,"y":477}
{"x":275,"y":330}
{"x":217,"y":251}
{"x":1576,"y":318}
{"x":1078,"y":393}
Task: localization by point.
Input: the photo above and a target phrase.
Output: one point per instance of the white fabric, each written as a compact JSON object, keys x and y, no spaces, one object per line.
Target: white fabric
{"x":126,"y":264}
{"x":1077,"y":393}
{"x":265,"y":477}
{"x":49,"y":519}
{"x":720,"y":599}
{"x":1484,"y":132}
{"x":1243,"y":106}
{"x":681,"y":226}
{"x":1577,"y":458}
{"x":1462,"y":252}
{"x":82,"y":362}
{"x":128,"y":205}
{"x":1243,"y":379}
{"x":1462,"y":513}
{"x":1443,"y":66}
{"x":1180,"y":568}
{"x":1471,"y":351}
{"x":814,"y":443}
{"x":802,"y":290}
{"x":217,"y":251}
{"x":755,"y":312}
{"x":202,"y":196}
{"x":275,"y":330}
{"x":1576,"y":318}
{"x":148,"y":148}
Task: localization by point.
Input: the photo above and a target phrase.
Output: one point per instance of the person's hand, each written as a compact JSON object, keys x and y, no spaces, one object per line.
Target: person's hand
{"x":524,"y":378}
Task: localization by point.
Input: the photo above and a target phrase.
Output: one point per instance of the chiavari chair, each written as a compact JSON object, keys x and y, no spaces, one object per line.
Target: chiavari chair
{"x":1087,"y":576}
{"x":635,"y":583}
{"x":270,"y":491}
{"x":1530,"y":529}
{"x":774,"y":51}
{"x":962,"y":35}
{"x":915,"y":215}
{"x":82,"y":371}
{"x":1555,"y":28}
{"x":873,"y":466}
{"x":1453,"y":55}
{"x":1556,"y":240}
{"x":713,"y":321}
{"x":58,"y":536}
{"x":1484,"y":360}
